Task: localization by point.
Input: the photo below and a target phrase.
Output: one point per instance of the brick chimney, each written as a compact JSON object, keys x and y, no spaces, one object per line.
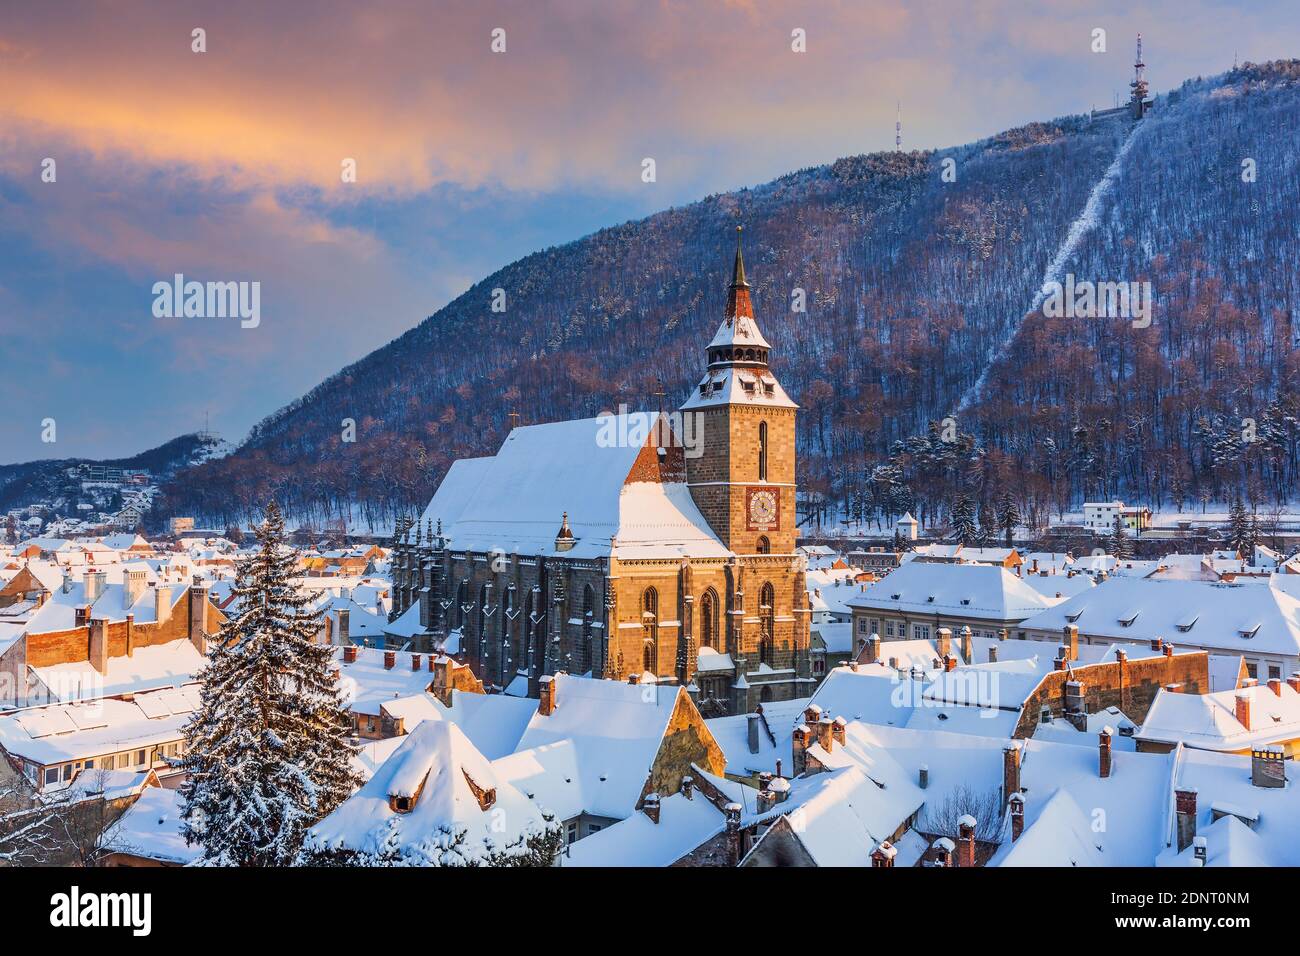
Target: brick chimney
{"x":650,"y":807}
{"x":799,"y":748}
{"x":688,"y":787}
{"x":1294,"y":681}
{"x":415,"y":662}
{"x":993,"y":653}
{"x":390,"y":660}
{"x":349,"y":653}
{"x":1017,"y":816}
{"x":98,"y":655}
{"x":546,"y":700}
{"x":837,"y":730}
{"x":1011,"y":770}
{"x":944,"y":642}
{"x":1185,"y":808}
{"x":967,"y":645}
{"x":344,"y":616}
{"x":966,"y":841}
{"x":431,"y":664}
{"x":1071,"y":642}
{"x":826,"y":733}
{"x":1103,"y":751}
{"x":923,"y":777}
{"x":1242,"y":711}
{"x":941,"y":851}
{"x":872,"y":654}
{"x":1168,"y":649}
{"x":735,"y":838}
{"x":949,"y":663}
{"x":882,"y":857}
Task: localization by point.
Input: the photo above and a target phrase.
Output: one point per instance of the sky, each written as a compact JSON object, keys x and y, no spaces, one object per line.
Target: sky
{"x":228,"y":165}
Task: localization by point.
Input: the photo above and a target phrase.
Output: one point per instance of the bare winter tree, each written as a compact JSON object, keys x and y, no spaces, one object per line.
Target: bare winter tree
{"x":984,"y":805}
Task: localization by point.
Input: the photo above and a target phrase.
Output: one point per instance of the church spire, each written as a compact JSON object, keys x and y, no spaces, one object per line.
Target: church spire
{"x":738,"y":273}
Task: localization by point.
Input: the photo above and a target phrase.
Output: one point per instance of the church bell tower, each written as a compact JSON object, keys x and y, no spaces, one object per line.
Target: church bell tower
{"x":741,"y":472}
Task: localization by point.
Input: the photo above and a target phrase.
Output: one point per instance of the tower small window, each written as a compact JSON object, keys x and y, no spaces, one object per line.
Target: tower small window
{"x":762,"y":545}
{"x":762,"y":451}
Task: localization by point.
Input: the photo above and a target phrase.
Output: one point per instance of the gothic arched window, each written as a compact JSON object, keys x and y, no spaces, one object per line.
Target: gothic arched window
{"x":762,"y":545}
{"x":588,"y":622}
{"x":462,"y":599}
{"x":650,"y":628}
{"x":709,"y":618}
{"x":767,"y":623}
{"x":762,"y":451}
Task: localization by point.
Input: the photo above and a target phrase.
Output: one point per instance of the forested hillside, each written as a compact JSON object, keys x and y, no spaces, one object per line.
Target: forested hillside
{"x":914,"y":285}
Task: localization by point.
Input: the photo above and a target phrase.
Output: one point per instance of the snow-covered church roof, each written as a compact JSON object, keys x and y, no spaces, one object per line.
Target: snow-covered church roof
{"x":607,"y":474}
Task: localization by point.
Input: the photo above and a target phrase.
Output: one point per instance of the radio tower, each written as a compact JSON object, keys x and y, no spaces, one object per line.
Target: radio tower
{"x":898,"y":127}
{"x":1139,"y":102}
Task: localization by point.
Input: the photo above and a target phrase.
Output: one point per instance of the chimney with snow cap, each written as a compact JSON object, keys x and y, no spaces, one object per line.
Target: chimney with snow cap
{"x":967,"y":646}
{"x":735,"y":838}
{"x":941,"y":852}
{"x":1294,"y":681}
{"x":882,"y":857}
{"x":837,"y":730}
{"x":779,"y":788}
{"x":872,"y":654}
{"x":944,"y":642}
{"x":650,"y":806}
{"x":390,"y":660}
{"x":966,"y":841}
{"x":1017,"y":816}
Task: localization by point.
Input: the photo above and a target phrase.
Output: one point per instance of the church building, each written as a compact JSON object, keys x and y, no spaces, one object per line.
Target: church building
{"x":648,"y":547}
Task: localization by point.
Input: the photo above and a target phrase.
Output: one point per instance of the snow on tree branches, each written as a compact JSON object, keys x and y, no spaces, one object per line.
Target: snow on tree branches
{"x":267,"y":752}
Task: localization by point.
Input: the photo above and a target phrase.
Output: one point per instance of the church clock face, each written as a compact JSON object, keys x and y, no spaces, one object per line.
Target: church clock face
{"x":762,"y":509}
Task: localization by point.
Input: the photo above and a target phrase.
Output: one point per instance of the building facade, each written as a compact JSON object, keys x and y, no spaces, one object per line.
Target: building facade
{"x":661,"y":546}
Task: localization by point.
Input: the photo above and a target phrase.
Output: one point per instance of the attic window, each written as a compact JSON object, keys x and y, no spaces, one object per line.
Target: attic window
{"x":963,"y":600}
{"x":895,"y":597}
{"x":1128,"y":619}
{"x":403,"y":804}
{"x":1187,"y":623}
{"x":1249,"y":632}
{"x":930,"y":599}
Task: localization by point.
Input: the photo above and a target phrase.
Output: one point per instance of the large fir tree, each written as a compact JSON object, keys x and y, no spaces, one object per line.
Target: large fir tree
{"x":1008,"y":516}
{"x":963,"y":521}
{"x":267,"y":752}
{"x":1120,"y":545}
{"x":1239,"y":528}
